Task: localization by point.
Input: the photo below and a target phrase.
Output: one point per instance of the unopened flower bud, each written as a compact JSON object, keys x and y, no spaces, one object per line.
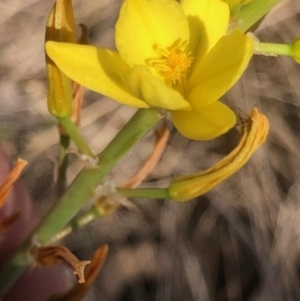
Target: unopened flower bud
{"x":296,"y":50}
{"x":60,"y":28}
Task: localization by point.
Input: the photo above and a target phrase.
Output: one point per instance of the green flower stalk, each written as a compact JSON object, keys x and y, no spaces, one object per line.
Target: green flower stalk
{"x":235,"y":8}
{"x":279,"y":49}
{"x":254,"y":11}
{"x":78,"y":194}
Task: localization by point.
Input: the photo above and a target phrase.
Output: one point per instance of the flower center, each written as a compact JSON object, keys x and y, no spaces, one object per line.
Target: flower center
{"x":174,"y":63}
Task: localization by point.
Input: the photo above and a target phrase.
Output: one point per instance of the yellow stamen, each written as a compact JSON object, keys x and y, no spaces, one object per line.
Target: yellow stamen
{"x":174,"y":63}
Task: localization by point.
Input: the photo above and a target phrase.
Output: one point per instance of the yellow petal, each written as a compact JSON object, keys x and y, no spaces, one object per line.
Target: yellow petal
{"x":152,"y":90}
{"x":97,"y":69}
{"x":208,"y":21}
{"x":213,"y":121}
{"x":220,"y":69}
{"x":143,"y":25}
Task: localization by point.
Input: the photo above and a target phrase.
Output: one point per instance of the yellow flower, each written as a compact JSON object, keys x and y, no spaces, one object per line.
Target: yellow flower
{"x":170,"y":55}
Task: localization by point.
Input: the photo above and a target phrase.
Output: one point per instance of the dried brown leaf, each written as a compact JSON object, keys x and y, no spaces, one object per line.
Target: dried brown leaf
{"x":78,"y":291}
{"x":50,"y":255}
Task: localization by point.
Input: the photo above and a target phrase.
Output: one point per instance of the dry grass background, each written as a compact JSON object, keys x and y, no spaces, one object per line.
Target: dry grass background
{"x":241,"y":241}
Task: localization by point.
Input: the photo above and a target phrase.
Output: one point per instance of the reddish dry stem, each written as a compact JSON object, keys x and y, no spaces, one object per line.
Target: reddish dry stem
{"x":78,"y":90}
{"x":162,"y":135}
{"x":77,"y":103}
{"x":7,"y":221}
{"x":13,"y":176}
{"x":84,"y":38}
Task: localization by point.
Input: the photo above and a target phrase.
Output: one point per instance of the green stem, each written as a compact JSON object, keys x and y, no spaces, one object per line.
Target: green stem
{"x":235,"y":11}
{"x":273,"y":49}
{"x":81,"y":221}
{"x":64,"y":142}
{"x":254,"y":11}
{"x":79,"y":192}
{"x":149,"y":193}
{"x":94,"y":213}
{"x":75,"y":135}
{"x":63,"y":164}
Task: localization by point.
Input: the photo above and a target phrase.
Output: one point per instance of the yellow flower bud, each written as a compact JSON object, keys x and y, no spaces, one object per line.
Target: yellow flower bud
{"x":255,"y":132}
{"x":296,"y":50}
{"x":60,"y":28}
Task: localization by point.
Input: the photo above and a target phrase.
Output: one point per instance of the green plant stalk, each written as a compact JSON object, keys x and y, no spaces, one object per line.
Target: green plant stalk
{"x":93,"y":213}
{"x":273,"y":49}
{"x":75,"y":135}
{"x":254,"y":11}
{"x":78,"y":223}
{"x":64,"y":142}
{"x":79,"y":192}
{"x":150,"y":193}
{"x":86,"y":218}
{"x":235,"y":11}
